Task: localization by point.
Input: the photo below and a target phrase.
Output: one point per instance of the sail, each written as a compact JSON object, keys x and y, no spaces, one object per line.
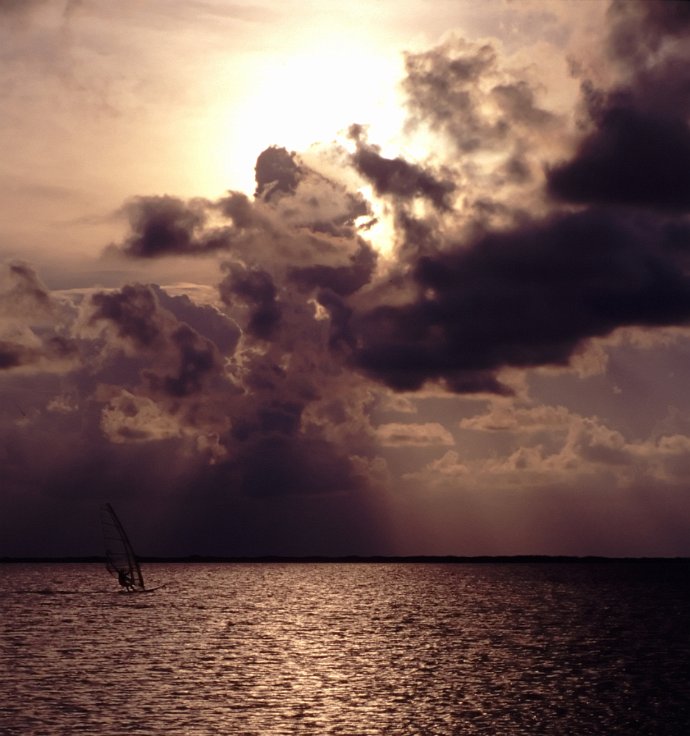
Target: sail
{"x":119,"y":555}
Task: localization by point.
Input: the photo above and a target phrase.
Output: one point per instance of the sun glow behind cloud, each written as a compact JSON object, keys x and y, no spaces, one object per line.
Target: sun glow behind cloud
{"x":308,"y":96}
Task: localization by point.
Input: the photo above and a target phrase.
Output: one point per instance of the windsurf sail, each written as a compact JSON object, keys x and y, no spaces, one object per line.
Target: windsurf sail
{"x":120,"y":559}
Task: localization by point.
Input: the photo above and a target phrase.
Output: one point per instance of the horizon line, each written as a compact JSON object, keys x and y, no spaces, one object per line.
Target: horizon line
{"x":450,"y":559}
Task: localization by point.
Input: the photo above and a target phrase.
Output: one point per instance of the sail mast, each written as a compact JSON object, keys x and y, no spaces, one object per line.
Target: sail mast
{"x":133,"y":565}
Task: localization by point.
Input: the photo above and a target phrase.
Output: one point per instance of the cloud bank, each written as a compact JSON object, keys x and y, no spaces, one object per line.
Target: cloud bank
{"x":522,"y":237}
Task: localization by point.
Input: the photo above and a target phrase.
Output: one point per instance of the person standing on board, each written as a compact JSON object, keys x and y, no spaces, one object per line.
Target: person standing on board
{"x":125,"y":580}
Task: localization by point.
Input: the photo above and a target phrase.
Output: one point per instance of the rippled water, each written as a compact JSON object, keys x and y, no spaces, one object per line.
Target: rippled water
{"x":347,"y":649}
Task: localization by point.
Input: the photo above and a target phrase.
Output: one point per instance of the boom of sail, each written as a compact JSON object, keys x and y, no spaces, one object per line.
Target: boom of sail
{"x":120,"y":559}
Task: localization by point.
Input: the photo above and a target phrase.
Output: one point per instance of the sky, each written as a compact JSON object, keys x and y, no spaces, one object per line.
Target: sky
{"x":344,"y":278}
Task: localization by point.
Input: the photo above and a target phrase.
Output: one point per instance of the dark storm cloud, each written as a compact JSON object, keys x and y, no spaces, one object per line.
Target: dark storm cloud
{"x":638,"y":150}
{"x":524,"y":298}
{"x":133,"y":311}
{"x":276,"y":172}
{"x":633,"y":158}
{"x":533,"y":293}
{"x":417,"y":235}
{"x":399,"y":178}
{"x":182,"y":359}
{"x":269,"y":416}
{"x":196,"y":360}
{"x":162,"y":226}
{"x":254,"y":287}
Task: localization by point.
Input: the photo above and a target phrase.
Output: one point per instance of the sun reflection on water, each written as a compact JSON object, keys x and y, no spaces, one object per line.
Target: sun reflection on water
{"x":347,"y":649}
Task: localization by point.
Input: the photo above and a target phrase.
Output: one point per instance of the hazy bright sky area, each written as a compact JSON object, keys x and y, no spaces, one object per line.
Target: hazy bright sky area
{"x":387,"y":277}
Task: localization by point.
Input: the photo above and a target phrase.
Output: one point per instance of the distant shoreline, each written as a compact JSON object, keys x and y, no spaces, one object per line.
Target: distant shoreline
{"x":354,"y":559}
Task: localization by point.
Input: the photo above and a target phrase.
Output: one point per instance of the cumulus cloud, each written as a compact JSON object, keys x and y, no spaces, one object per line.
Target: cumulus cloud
{"x":277,"y":172}
{"x":254,"y":287}
{"x":461,"y":89}
{"x":167,"y":225}
{"x":397,"y":434}
{"x":22,"y":294}
{"x":131,"y":418}
{"x":488,"y":110}
{"x":586,"y":454}
{"x":151,"y":377}
{"x":31,"y":336}
{"x":506,"y":417}
{"x":133,"y":313}
{"x":298,"y":215}
{"x":462,"y":306}
{"x":342,"y":280}
{"x":398,"y":178}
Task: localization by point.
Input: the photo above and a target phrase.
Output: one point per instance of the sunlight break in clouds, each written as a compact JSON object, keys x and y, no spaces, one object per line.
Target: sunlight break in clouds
{"x":311,"y":94}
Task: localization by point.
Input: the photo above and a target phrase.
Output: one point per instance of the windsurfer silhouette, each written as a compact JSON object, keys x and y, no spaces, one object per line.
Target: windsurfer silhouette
{"x":125,"y":580}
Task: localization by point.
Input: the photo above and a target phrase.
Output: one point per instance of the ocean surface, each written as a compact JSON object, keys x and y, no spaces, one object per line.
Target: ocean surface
{"x":349,"y":648}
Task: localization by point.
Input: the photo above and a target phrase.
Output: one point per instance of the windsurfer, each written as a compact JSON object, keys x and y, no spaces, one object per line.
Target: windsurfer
{"x":125,"y":579}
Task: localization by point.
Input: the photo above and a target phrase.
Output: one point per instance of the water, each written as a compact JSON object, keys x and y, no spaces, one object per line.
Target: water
{"x":360,"y":649}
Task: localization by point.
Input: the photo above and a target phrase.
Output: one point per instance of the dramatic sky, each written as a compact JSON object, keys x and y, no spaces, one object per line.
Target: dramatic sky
{"x":336,"y":277}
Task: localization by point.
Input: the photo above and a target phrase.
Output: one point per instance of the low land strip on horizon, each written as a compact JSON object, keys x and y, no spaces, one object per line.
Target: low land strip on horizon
{"x":407,"y":559}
